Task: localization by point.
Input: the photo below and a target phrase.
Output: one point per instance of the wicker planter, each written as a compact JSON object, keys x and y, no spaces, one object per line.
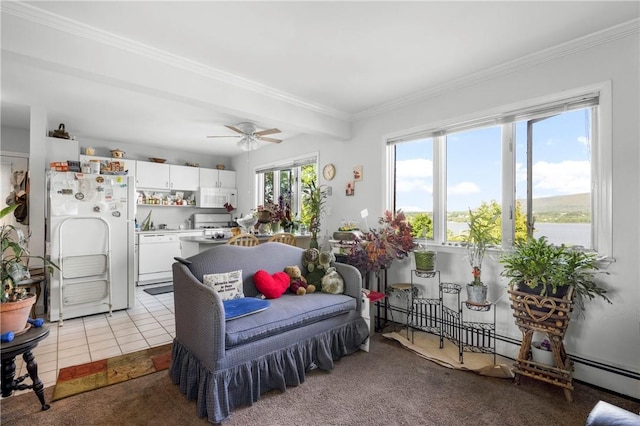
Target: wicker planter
{"x":14,"y":315}
{"x":264,"y":216}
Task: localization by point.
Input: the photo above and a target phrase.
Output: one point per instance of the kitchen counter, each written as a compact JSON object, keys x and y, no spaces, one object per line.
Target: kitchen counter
{"x":170,"y":231}
{"x":192,"y":245}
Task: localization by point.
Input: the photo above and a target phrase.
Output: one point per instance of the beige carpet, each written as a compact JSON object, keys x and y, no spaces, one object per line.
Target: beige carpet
{"x":427,"y":345}
{"x":388,"y":386}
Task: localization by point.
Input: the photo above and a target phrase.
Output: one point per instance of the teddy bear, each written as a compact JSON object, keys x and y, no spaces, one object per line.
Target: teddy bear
{"x":317,"y":264}
{"x":298,"y":284}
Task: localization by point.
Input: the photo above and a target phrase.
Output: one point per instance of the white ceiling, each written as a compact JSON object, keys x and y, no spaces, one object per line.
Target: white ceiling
{"x":170,"y":73}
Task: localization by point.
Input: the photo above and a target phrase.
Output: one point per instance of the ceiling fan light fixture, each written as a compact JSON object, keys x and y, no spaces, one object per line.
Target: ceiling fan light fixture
{"x":248,"y":143}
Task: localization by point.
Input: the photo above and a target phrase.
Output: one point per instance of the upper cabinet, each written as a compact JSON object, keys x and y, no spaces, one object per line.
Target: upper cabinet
{"x":215,"y":178}
{"x":184,"y":178}
{"x":151,"y":175}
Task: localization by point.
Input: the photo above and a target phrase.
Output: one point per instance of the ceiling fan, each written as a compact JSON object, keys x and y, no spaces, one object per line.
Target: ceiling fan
{"x":248,"y":135}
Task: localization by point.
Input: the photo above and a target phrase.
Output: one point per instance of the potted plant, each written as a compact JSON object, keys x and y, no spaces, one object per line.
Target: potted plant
{"x":480,"y":235}
{"x":15,"y":302}
{"x":547,"y":270}
{"x":377,"y":249}
{"x":315,"y":197}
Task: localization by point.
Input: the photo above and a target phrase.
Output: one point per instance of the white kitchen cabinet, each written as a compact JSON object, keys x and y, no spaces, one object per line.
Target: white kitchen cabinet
{"x":151,"y":175}
{"x":184,"y":178}
{"x":60,"y":150}
{"x":215,"y":178}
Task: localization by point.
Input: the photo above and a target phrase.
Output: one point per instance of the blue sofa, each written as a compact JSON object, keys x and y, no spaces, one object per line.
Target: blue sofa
{"x":227,"y":364}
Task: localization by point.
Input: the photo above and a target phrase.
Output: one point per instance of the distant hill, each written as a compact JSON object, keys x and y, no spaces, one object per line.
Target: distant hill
{"x":560,"y":203}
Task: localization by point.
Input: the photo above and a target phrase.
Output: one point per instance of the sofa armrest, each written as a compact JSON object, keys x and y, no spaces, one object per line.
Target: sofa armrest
{"x":605,"y":414}
{"x":199,"y":316}
{"x":352,"y":281}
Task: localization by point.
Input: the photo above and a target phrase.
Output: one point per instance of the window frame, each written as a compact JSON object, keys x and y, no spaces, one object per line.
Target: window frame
{"x":289,"y":163}
{"x":601,"y":162}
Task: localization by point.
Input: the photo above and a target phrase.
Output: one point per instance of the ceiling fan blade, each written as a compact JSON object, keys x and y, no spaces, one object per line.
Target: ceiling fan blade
{"x":270,"y":140}
{"x":232,"y":136}
{"x":235,"y":129}
{"x":267,"y":132}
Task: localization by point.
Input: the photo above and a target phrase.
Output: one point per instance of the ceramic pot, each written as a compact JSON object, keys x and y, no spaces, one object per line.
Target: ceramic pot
{"x":14,"y":315}
{"x":541,"y":355}
{"x":117,"y":153}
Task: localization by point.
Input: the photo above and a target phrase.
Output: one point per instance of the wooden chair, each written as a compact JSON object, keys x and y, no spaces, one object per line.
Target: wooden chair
{"x":247,"y":240}
{"x":284,"y":238}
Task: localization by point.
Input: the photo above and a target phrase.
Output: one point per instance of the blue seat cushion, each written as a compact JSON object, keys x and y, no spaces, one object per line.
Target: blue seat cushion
{"x":286,"y":313}
{"x":243,"y":306}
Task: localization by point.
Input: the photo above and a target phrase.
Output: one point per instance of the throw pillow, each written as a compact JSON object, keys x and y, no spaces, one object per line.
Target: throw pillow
{"x":238,"y":308}
{"x":271,"y":286}
{"x":228,"y":285}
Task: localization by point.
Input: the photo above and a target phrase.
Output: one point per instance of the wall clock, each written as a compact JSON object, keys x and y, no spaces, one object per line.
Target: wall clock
{"x":329,"y":171}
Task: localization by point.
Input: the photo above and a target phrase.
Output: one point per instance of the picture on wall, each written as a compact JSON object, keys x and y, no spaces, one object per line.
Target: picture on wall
{"x":350,"y":188}
{"x":357,"y":173}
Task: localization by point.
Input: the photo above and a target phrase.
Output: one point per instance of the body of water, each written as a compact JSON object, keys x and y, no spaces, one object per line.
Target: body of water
{"x":557,"y":233}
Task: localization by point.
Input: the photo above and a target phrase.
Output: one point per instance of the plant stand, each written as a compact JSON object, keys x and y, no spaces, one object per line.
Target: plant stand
{"x":548,"y":315}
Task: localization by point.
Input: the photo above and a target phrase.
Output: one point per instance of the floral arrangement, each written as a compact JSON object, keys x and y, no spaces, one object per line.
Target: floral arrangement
{"x":278,"y":213}
{"x":378,"y":248}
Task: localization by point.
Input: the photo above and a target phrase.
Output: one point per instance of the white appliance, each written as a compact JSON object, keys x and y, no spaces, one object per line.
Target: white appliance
{"x":209,"y":197}
{"x":90,"y":236}
{"x":215,"y":225}
{"x":156,"y":252}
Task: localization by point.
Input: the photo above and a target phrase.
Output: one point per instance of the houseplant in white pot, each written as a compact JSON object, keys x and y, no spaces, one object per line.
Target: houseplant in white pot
{"x":15,"y":302}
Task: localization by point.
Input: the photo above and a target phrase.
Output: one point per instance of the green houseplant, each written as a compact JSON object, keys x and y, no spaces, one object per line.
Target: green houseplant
{"x":545,"y":269}
{"x":15,"y":301}
{"x":479,"y":237}
{"x":315,"y":197}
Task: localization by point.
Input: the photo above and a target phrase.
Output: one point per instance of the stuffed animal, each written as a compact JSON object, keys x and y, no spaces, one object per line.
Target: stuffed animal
{"x":332,"y":282}
{"x":271,"y":286}
{"x":316,"y":264}
{"x":298,"y":284}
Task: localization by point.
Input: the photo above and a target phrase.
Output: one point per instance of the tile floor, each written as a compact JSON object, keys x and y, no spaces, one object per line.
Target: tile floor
{"x":80,"y":340}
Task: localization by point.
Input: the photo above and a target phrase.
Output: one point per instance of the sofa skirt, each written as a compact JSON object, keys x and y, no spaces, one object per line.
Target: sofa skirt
{"x":219,"y":392}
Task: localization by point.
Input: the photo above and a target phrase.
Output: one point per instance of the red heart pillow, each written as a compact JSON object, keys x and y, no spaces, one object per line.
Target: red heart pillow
{"x":272,"y":286}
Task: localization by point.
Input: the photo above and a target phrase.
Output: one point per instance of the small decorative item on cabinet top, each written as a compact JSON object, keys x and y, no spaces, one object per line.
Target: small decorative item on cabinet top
{"x":157,"y":160}
{"x":117,"y":153}
{"x":60,"y":132}
{"x":220,"y":166}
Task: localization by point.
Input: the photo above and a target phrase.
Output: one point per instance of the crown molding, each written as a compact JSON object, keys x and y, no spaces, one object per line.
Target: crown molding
{"x":589,"y":41}
{"x":61,"y":23}
{"x":88,"y":32}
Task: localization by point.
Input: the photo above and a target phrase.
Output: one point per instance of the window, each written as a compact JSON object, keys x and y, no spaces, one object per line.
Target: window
{"x":473,"y":175}
{"x":286,"y":180}
{"x":553,"y":176}
{"x":543,"y":168}
{"x":413,"y":184}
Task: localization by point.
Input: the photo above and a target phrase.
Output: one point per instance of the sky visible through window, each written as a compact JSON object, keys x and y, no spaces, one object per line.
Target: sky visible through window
{"x":561,"y":164}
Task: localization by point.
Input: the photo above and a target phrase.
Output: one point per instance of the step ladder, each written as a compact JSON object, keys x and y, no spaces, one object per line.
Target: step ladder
{"x":85,"y":278}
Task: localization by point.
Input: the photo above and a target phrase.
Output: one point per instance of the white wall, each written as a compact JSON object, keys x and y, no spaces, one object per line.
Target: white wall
{"x":14,"y":140}
{"x":608,"y":333}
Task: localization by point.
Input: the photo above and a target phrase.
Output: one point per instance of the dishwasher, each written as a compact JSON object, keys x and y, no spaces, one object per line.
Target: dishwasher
{"x":156,"y":254}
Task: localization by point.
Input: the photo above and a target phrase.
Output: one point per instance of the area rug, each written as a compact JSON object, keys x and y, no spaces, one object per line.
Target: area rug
{"x":427,"y":345}
{"x":154,"y":291}
{"x":94,"y":375}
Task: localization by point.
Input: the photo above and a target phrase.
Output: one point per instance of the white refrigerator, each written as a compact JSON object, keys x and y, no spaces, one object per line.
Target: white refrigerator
{"x":90,"y":236}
